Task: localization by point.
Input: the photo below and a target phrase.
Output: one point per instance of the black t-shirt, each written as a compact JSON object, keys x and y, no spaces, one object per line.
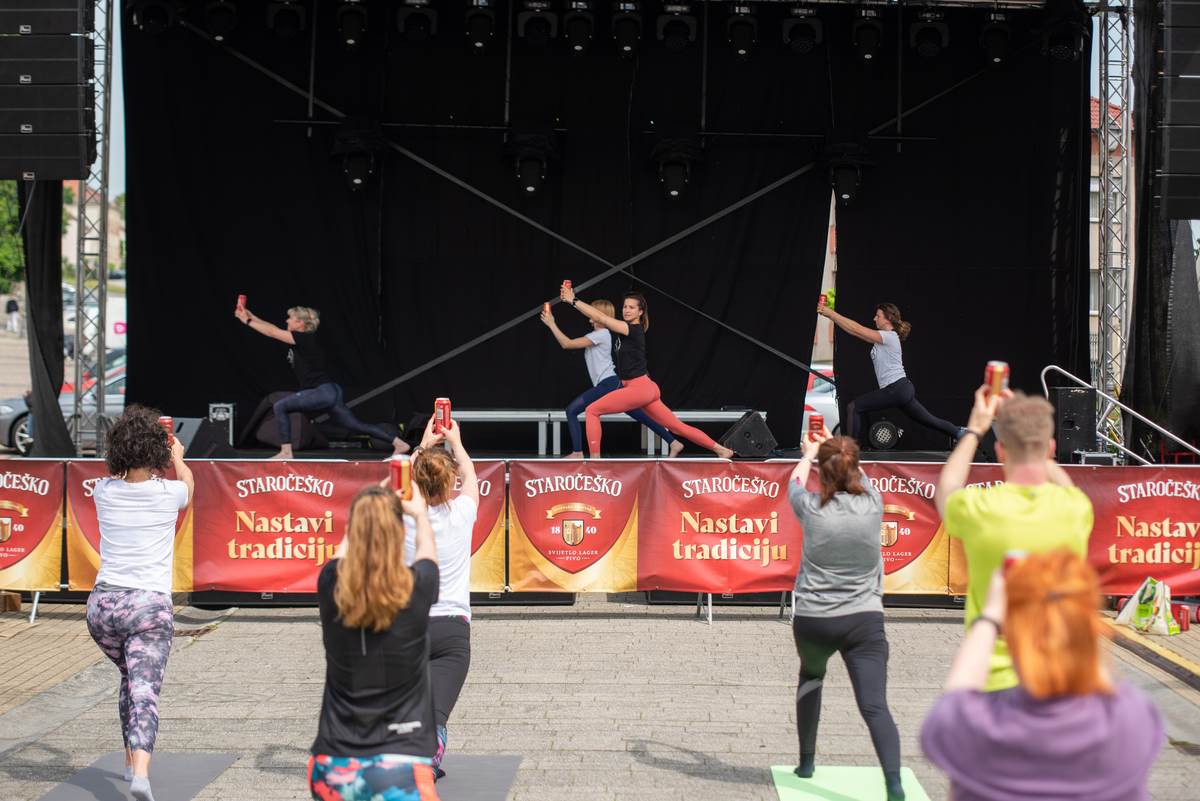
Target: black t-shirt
{"x":377,"y":695}
{"x":629,"y":352}
{"x":11,"y":306}
{"x":308,"y":360}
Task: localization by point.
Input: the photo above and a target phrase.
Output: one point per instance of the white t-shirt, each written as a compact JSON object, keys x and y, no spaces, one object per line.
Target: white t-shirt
{"x":887,"y":359}
{"x":599,"y":356}
{"x":137,"y":531}
{"x":452,"y":524}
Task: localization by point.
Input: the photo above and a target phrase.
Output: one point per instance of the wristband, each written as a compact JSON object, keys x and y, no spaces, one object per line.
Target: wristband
{"x":573,"y":302}
{"x":977,"y":434}
{"x":991,"y":620}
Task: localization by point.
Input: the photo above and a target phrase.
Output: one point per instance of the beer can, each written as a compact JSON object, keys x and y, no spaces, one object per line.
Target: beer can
{"x":168,"y":423}
{"x":241,"y":301}
{"x":1012,"y":557}
{"x":545,"y":308}
{"x":567,"y":283}
{"x":996,"y":377}
{"x":401,"y":467}
{"x":816,"y":425}
{"x":441,"y":414}
{"x":824,"y":299}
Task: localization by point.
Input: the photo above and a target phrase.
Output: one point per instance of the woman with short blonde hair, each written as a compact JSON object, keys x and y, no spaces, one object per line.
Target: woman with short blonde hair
{"x":1067,"y":731}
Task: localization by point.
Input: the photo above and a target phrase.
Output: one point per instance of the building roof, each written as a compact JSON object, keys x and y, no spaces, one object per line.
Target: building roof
{"x":1114,"y":112}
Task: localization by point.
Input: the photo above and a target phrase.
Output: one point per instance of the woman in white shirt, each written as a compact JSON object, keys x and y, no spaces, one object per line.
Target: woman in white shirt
{"x":129,"y":612}
{"x":597,"y":352}
{"x":436,"y":471}
{"x":895,"y":391}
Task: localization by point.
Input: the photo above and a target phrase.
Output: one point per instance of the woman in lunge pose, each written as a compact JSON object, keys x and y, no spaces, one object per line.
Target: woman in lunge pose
{"x":129,"y":612}
{"x":895,"y":391}
{"x":637,"y":390}
{"x":436,"y":471}
{"x":838,"y":598}
{"x":318,"y":392}
{"x":375,"y":739}
{"x":597,"y":352}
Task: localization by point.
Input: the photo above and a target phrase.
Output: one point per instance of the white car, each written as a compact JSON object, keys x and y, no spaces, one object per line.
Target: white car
{"x":822,"y":398}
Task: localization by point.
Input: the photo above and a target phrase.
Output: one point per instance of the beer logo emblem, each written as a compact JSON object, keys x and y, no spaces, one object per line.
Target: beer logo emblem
{"x":572,"y":531}
{"x":5,"y":529}
{"x":889,"y":532}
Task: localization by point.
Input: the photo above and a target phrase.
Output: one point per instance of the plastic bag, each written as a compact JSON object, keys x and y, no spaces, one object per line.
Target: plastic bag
{"x":1149,"y":610}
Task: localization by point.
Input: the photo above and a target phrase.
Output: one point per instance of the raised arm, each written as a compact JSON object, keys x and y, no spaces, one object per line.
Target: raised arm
{"x":565,"y":342}
{"x":592,"y":313}
{"x":182,"y":471}
{"x":466,"y":470}
{"x":971,"y":665}
{"x":811,"y":446}
{"x":263,"y":327}
{"x":850,"y":327}
{"x":425,"y":542}
{"x":954,"y":473}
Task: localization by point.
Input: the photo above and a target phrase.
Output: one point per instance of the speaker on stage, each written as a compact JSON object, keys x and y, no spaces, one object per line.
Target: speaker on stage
{"x":211,"y":441}
{"x":1074,"y":421}
{"x":750,"y":436}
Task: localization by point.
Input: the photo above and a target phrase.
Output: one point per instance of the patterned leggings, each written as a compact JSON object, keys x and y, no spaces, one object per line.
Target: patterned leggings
{"x":134,"y":629}
{"x":386,"y":777}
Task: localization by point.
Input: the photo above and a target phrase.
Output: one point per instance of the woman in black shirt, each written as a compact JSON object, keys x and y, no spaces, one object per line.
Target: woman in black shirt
{"x":318,"y":392}
{"x":376,"y":735}
{"x":637,"y":390}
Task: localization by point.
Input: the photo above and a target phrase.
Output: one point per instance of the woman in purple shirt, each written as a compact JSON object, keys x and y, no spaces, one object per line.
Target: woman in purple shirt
{"x":1068,"y":731}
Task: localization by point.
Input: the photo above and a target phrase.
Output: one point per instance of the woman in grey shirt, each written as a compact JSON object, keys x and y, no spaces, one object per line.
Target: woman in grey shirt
{"x":839,"y":598}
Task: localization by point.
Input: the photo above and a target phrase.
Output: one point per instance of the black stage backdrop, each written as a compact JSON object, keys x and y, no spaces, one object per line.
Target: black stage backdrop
{"x":979,"y":235}
{"x":234,"y":195}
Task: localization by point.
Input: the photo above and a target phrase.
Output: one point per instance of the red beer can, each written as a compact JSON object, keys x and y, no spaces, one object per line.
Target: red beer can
{"x":545,"y":308}
{"x":816,"y":425}
{"x":824,"y":299}
{"x":241,"y":302}
{"x":441,"y":415}
{"x":401,"y":467}
{"x":1012,"y":557}
{"x":168,"y":423}
{"x":996,"y":377}
{"x":567,"y":283}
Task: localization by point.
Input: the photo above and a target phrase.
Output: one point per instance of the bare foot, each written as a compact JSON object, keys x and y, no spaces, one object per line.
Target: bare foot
{"x":400,"y":447}
{"x":284,"y":453}
{"x":676,"y":449}
{"x":574,"y":455}
{"x":723,"y":452}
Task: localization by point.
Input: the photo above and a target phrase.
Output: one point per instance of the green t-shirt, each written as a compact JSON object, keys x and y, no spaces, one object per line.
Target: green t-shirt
{"x":991,"y":521}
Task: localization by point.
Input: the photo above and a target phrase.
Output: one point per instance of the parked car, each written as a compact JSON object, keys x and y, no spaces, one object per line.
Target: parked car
{"x":116,"y":358}
{"x":822,"y":398}
{"x":17,"y":433}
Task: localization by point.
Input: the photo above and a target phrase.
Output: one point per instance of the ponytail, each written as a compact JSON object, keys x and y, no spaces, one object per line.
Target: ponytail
{"x":837,"y":459}
{"x":892,"y":313}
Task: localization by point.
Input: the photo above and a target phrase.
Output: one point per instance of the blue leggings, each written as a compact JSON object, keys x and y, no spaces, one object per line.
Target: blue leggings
{"x":325,"y":398}
{"x":577,"y":407}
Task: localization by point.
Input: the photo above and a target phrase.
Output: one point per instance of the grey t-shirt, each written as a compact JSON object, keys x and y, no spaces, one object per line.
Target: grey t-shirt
{"x":887,"y":359}
{"x":599,"y":356}
{"x":841,"y":565}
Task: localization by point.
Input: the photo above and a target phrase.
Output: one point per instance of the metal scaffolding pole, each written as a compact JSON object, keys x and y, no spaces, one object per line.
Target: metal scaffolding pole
{"x":1116,"y":179}
{"x":91,"y":255}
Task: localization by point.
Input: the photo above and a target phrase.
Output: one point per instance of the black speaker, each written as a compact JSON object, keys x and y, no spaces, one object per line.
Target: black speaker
{"x":1074,"y":421}
{"x":37,"y":17}
{"x":1177,"y":184}
{"x":46,"y":157}
{"x":52,"y":109}
{"x":750,"y":436}
{"x":40,"y":60}
{"x":211,"y":441}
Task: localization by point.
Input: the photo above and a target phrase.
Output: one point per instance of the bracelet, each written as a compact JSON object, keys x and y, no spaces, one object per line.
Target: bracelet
{"x":992,"y":620}
{"x":573,"y":302}
{"x":977,"y":434}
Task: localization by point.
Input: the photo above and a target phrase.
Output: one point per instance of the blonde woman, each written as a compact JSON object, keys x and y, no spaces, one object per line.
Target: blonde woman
{"x":318,"y":392}
{"x":376,"y":737}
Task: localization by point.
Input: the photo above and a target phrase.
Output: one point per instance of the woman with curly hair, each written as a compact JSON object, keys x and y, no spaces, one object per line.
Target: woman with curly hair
{"x":129,"y":612}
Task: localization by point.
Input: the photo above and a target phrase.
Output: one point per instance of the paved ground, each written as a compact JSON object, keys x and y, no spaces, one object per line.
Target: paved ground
{"x":610,"y":699}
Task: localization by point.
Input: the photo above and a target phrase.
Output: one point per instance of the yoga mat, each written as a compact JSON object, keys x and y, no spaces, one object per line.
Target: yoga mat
{"x":173,"y":777}
{"x":841,"y":784}
{"x":477,"y":777}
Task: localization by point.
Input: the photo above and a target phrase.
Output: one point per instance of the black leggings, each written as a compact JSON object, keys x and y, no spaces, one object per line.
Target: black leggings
{"x":900,"y":395}
{"x":449,"y":661}
{"x":864,"y":648}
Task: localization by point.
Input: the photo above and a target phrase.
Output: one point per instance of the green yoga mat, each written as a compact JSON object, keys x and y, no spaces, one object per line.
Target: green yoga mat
{"x":841,"y":784}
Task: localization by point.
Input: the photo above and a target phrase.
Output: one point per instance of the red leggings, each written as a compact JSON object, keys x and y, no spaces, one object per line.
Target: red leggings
{"x":640,"y":393}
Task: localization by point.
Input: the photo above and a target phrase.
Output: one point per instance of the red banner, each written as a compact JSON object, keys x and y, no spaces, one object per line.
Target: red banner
{"x":715,"y":526}
{"x":83,"y":530}
{"x":487,"y":540}
{"x":31,"y":509}
{"x":573,"y":526}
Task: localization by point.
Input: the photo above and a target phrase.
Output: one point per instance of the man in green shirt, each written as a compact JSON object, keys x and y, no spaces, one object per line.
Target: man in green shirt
{"x":1038,"y":508}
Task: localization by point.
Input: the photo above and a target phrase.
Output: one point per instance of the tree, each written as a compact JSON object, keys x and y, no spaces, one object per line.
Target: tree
{"x":119,"y":202}
{"x":12,"y":252}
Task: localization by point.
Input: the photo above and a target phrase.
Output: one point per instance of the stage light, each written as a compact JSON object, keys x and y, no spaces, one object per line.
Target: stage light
{"x":675,"y":157}
{"x":220,"y":18}
{"x":626,"y":27}
{"x":531,"y":173}
{"x":676,"y":26}
{"x":578,"y":25}
{"x":994,"y":38}
{"x":537,"y":24}
{"x":674,"y":176}
{"x":1066,"y":41}
{"x":152,"y":16}
{"x":359,"y":143}
{"x":531,"y":151}
{"x":802,"y":30}
{"x":358,"y":168}
{"x":846,"y":178}
{"x":868,"y":33}
{"x":847,"y":155}
{"x":352,"y":22}
{"x":929,"y":36}
{"x":287,"y":18}
{"x":741,"y":30}
{"x":480,"y":24}
{"x":417,"y":20}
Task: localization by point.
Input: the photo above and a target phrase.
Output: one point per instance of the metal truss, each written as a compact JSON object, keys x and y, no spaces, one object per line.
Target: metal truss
{"x":91,"y":256}
{"x":1116,"y":179}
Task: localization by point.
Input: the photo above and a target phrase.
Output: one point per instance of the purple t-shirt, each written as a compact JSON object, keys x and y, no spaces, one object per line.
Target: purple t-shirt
{"x":1008,"y":746}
